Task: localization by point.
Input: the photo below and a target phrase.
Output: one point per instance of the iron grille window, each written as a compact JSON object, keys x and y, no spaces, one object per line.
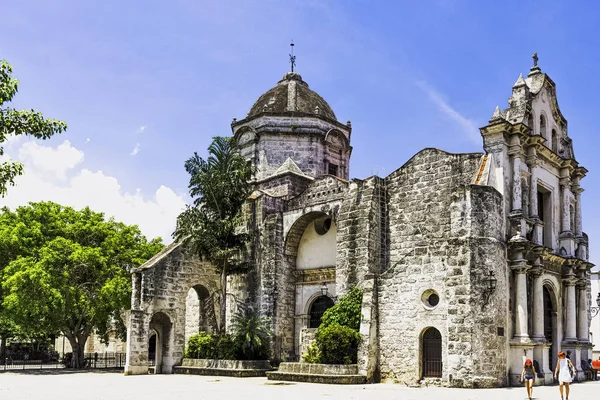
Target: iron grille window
{"x":432,"y":353}
{"x":333,"y":169}
{"x":317,"y":310}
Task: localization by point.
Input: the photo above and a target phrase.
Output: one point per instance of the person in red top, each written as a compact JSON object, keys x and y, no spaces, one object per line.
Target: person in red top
{"x":528,"y":375}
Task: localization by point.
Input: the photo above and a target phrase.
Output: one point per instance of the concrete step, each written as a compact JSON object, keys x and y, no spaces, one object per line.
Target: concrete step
{"x":317,"y":378}
{"x":238,"y":373}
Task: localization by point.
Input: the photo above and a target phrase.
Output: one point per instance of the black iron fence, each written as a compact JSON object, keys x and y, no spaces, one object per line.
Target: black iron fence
{"x":105,"y":360}
{"x":92,"y":361}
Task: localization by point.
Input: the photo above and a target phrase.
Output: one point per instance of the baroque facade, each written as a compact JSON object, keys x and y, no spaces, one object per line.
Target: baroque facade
{"x":469,"y":263}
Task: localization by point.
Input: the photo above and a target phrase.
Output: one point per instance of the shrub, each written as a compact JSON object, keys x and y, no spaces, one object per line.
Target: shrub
{"x":313,"y":354}
{"x":252,"y":335}
{"x":67,"y":359}
{"x":227,"y":348}
{"x":201,"y":345}
{"x":346,"y":312}
{"x":337,"y":344}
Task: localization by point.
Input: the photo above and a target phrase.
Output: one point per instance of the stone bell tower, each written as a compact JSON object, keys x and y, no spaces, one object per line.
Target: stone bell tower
{"x":291,"y":135}
{"x":532,"y":163}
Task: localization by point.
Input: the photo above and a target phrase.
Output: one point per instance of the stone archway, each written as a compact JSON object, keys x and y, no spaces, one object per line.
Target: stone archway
{"x":550,"y":326}
{"x":162,"y":326}
{"x":431,"y":353}
{"x":199,"y":312}
{"x":307,"y":265}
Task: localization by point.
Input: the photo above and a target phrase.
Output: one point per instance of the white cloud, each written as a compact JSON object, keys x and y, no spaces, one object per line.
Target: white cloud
{"x":141,"y":129}
{"x":135,"y":150}
{"x":49,"y":161}
{"x":469,"y":126}
{"x":56,"y":174}
{"x":87,"y":140}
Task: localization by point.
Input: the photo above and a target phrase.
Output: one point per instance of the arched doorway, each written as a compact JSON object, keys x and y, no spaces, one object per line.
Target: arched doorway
{"x":432,"y":353}
{"x":152,"y":349}
{"x":161,"y":325}
{"x":550,"y":326}
{"x":199,"y":312}
{"x":317,"y":309}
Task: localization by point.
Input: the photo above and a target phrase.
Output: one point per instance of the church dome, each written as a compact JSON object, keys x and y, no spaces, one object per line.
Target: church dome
{"x":291,"y":95}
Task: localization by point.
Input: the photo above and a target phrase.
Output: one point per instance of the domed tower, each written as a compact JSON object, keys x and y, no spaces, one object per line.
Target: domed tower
{"x":292,"y":131}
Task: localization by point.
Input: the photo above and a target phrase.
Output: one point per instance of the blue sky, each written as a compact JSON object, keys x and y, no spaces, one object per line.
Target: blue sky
{"x":164,"y":77}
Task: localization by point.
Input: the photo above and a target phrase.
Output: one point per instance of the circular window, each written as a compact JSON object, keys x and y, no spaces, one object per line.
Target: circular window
{"x":430,"y":299}
{"x":322,"y":225}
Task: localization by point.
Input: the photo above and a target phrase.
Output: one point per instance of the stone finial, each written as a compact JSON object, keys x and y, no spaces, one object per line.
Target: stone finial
{"x":535,"y":59}
{"x":348,"y":123}
{"x":520,"y":81}
{"x":497,"y":114}
{"x":234,"y":120}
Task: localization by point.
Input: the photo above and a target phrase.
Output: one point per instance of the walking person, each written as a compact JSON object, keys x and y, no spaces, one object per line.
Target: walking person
{"x":528,"y":375}
{"x":564,"y":373}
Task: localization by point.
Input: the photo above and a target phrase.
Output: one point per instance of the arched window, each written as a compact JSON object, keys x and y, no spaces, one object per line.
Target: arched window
{"x":554,"y":141}
{"x":543,"y":126}
{"x":317,"y":309}
{"x":432,"y":353}
{"x":530,"y":124}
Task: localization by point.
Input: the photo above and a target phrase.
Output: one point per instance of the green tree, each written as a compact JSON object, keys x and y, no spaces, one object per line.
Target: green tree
{"x":15,"y":122}
{"x":67,"y":271}
{"x":212,"y":227}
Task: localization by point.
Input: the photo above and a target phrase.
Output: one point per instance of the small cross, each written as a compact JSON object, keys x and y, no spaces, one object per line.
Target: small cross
{"x":292,"y":56}
{"x":535,"y":59}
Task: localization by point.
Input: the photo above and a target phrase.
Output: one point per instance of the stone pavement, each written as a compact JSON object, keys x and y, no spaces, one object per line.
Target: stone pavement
{"x":63,"y":385}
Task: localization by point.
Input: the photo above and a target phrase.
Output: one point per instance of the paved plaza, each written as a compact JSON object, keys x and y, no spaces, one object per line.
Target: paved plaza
{"x":63,"y":385}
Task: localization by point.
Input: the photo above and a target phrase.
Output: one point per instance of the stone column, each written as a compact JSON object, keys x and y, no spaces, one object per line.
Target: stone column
{"x":538,"y":303}
{"x":520,"y":267}
{"x":571,"y":310}
{"x":577,"y":191}
{"x":582,"y":315}
{"x":566,"y":213}
{"x":516,"y":192}
{"x":533,"y":200}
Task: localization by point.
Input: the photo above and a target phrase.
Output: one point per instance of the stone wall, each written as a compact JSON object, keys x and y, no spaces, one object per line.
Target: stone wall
{"x":436,"y":225}
{"x":159,"y":295}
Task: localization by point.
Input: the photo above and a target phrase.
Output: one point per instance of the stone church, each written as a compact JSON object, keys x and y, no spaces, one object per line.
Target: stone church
{"x":469,"y":263}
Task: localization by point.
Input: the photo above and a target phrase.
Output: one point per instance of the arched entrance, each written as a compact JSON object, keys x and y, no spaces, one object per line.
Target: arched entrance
{"x":317,"y":309}
{"x":432,"y":353}
{"x":161,"y":325}
{"x":550,"y":331}
{"x":199,"y":312}
{"x":152,"y":349}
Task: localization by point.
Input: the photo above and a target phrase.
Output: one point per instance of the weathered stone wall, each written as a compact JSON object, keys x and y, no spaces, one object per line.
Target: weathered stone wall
{"x":161,"y":288}
{"x":428,"y":254}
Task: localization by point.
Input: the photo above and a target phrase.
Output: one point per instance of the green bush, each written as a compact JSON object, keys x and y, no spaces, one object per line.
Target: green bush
{"x":227,"y":348}
{"x":313,"y":355}
{"x":201,"y":345}
{"x":337,"y":338}
{"x":337,"y":344}
{"x":346,"y":312}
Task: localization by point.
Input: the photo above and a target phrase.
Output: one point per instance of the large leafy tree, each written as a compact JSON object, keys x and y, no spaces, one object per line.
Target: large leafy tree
{"x":211,"y":227}
{"x":19,"y":122}
{"x":67,"y":271}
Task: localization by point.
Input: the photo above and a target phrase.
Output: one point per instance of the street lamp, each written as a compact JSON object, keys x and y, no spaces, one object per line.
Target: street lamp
{"x":595,"y":310}
{"x":324,"y":289}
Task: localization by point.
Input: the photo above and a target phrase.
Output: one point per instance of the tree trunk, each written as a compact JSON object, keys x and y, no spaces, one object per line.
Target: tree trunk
{"x":2,"y":348}
{"x":78,"y":345}
{"x":223,"y":311}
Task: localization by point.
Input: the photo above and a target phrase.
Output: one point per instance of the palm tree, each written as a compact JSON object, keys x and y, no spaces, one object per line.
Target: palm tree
{"x":210,"y":227}
{"x":252,"y":334}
